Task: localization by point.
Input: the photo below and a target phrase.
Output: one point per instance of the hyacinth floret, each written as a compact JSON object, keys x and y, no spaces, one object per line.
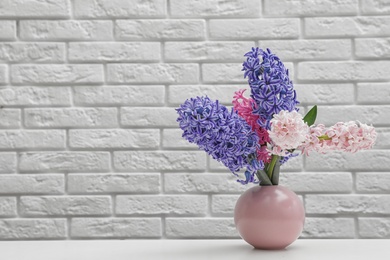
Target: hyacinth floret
{"x":252,"y":65}
{"x":220,"y":132}
{"x":351,"y":136}
{"x":249,"y":178}
{"x":271,"y":88}
{"x":244,"y":107}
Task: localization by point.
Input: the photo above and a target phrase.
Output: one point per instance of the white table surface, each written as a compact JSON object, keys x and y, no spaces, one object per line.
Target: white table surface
{"x":192,"y":249}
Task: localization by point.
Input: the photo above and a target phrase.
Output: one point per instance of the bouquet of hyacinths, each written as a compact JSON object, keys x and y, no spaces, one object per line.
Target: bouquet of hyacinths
{"x":264,"y":131}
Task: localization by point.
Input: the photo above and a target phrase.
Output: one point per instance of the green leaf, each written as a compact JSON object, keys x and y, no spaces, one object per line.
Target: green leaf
{"x":311,"y":116}
{"x":263,"y":177}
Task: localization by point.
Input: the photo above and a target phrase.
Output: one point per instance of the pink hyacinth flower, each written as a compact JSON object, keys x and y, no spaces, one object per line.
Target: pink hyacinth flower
{"x":288,"y":131}
{"x":350,"y":136}
{"x":312,"y":141}
{"x":264,"y":154}
{"x":244,"y":107}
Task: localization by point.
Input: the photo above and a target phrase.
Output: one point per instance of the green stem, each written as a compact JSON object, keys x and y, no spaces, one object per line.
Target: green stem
{"x":271,"y":166}
{"x":324,"y":137}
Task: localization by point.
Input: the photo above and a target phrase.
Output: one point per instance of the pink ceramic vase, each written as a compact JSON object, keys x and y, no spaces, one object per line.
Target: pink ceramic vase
{"x":269,"y":217}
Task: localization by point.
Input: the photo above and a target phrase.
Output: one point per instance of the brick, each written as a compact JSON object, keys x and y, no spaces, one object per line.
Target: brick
{"x":372,"y":48}
{"x":158,"y":204}
{"x":373,"y":93}
{"x":11,"y":118}
{"x":310,"y":7}
{"x":176,"y":29}
{"x":374,"y":227}
{"x":172,"y":138}
{"x":7,"y":162}
{"x":159,"y":160}
{"x":57,"y":73}
{"x":254,"y":28}
{"x":371,"y":160}
{"x":149,"y":116}
{"x":329,"y":115}
{"x":373,"y":182}
{"x":66,"y":30}
{"x":3,"y":74}
{"x":206,"y":51}
{"x":8,"y":30}
{"x":287,"y":50}
{"x":223,"y":73}
{"x":32,"y":139}
{"x":201,"y":228}
{"x":119,"y":8}
{"x":35,"y":96}
{"x":320,"y":182}
{"x":202,"y":183}
{"x":228,"y":73}
{"x":294,"y":164}
{"x":177,"y":94}
{"x":119,"y":95}
{"x":23,"y":229}
{"x":344,"y":204}
{"x":114,"y":51}
{"x":344,"y":71}
{"x":32,"y":184}
{"x":153,"y":73}
{"x":115,"y":138}
{"x":383,"y":137}
{"x":316,"y":94}
{"x":347,"y":26}
{"x":35,"y":9}
{"x":375,"y":7}
{"x":223,"y":204}
{"x":8,"y":207}
{"x":113,"y":183}
{"x":64,"y":161}
{"x":64,"y":206}
{"x":215,"y":8}
{"x":32,"y":52}
{"x":328,"y":228}
{"x":116,"y":228}
{"x":70,"y":117}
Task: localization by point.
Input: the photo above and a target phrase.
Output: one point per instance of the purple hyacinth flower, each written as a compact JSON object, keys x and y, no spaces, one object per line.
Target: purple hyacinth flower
{"x":249,"y":177}
{"x":271,"y":88}
{"x":220,"y":132}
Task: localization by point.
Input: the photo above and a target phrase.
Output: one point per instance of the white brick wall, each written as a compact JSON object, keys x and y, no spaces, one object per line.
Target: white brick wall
{"x":89,"y":144}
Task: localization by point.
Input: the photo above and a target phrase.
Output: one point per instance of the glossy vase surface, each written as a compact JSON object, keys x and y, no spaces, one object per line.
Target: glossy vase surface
{"x":269,"y":217}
